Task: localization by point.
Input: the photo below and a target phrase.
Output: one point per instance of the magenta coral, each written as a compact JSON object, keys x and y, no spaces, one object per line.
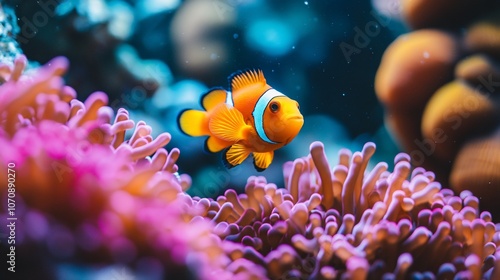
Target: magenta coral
{"x":82,"y":191}
{"x":85,"y":194}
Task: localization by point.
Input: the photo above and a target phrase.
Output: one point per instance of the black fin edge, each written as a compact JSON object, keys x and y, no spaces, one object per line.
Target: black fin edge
{"x":205,"y":147}
{"x":259,"y":169}
{"x":179,"y":121}
{"x":224,"y":160}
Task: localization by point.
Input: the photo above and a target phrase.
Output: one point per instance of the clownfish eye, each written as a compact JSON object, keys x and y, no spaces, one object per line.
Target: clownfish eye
{"x":274,"y":106}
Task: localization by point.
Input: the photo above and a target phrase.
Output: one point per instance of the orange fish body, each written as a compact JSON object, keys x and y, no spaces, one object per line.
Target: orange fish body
{"x":252,"y":118}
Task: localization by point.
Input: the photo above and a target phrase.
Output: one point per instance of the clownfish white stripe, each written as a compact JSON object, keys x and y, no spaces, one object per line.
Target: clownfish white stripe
{"x":259,"y":110}
{"x":229,"y":99}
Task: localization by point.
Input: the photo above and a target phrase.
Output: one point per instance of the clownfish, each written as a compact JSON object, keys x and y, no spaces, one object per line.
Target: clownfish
{"x":250,"y":118}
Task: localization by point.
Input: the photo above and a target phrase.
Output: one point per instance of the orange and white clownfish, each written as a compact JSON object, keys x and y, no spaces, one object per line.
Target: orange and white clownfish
{"x":251,"y":118}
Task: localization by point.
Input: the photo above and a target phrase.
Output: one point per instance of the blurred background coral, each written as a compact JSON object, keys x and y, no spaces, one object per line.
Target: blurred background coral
{"x":440,"y":84}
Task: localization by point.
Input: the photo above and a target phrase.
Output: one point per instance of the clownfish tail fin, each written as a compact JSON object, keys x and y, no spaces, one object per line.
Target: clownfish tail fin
{"x":193,"y":122}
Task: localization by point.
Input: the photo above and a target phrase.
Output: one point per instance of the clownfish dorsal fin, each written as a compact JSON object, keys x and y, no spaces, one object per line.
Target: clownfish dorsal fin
{"x":245,"y":78}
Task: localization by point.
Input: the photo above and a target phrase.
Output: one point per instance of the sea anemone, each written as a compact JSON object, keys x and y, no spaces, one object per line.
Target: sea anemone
{"x":347,"y":223}
{"x":85,"y":194}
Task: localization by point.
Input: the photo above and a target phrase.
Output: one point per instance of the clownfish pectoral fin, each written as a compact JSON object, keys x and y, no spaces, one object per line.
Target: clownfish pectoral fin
{"x":193,"y":122}
{"x":228,"y":124}
{"x":261,"y":161}
{"x":213,"y":98}
{"x":214,"y":144}
{"x":235,"y":155}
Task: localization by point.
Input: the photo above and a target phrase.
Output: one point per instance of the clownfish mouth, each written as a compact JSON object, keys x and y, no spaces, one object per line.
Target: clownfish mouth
{"x":296,"y":117}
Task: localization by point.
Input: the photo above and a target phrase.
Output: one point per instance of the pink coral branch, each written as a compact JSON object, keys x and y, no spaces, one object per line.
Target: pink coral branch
{"x":149,"y":148}
{"x":19,"y":66}
{"x":348,"y":199}
{"x":319,"y":158}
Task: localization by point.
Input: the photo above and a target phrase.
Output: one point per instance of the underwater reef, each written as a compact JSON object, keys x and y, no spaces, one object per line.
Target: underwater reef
{"x":87,"y":197}
{"x":89,"y":190}
{"x":440,"y":85}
